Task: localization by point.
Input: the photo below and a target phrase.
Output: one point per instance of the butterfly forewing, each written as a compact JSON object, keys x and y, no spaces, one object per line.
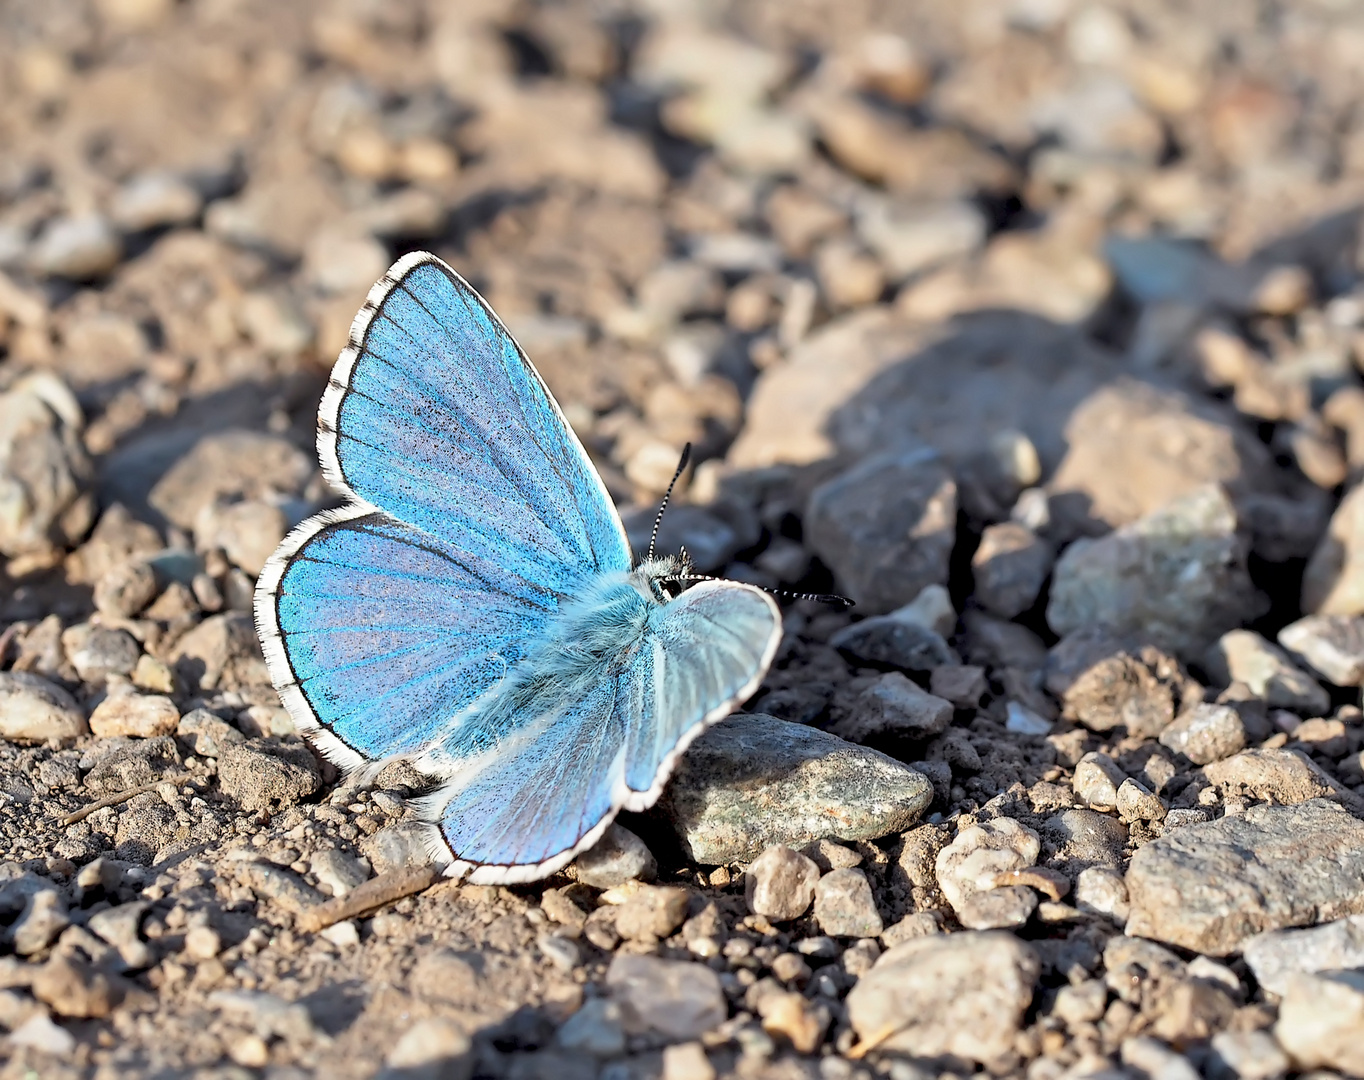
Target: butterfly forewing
{"x":489,"y":514}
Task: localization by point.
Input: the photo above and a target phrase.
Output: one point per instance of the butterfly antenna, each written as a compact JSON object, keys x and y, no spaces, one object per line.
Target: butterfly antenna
{"x":658,"y":519}
{"x":823,"y":598}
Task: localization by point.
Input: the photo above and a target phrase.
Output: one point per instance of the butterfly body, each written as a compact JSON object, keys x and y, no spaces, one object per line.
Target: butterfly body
{"x":595,"y":636}
{"x":476,"y":609}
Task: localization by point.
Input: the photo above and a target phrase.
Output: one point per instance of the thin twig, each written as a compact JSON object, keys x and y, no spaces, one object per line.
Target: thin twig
{"x":123,"y":796}
{"x":372,"y":894}
{"x":867,"y":1045}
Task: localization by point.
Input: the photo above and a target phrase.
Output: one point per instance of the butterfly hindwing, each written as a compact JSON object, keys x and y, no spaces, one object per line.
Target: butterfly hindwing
{"x":545,"y":794}
{"x":710,"y":649}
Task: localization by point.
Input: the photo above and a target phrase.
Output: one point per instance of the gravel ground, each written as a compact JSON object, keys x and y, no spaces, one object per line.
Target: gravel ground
{"x":1034,"y":326}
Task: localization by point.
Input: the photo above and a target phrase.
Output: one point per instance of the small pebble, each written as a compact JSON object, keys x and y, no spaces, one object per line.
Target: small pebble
{"x":917,"y":924}
{"x":79,"y":248}
{"x":795,"y":1018}
{"x":249,"y":1051}
{"x":121,"y":927}
{"x":780,"y":883}
{"x":619,"y":856}
{"x":344,"y":935}
{"x":1137,"y":803}
{"x":1023,"y":721}
{"x":71,"y":987}
{"x":995,"y":909}
{"x":790,"y":967}
{"x":971,"y":862}
{"x":1083,"y":1003}
{"x":434,"y":1044}
{"x":141,"y":716}
{"x":687,"y":1061}
{"x":43,"y":919}
{"x":1249,"y":1055}
{"x":596,"y":1029}
{"x":126,"y":589}
{"x":202,"y":943}
{"x":1102,"y":890}
{"x":39,"y":1033}
{"x":844,"y":906}
{"x":678,"y":1000}
{"x":557,"y":905}
{"x":336,"y":871}
{"x":1332,"y":645}
{"x":1096,"y":781}
{"x":560,"y":951}
{"x":652,"y":913}
{"x":1206,"y":733}
{"x":152,"y":200}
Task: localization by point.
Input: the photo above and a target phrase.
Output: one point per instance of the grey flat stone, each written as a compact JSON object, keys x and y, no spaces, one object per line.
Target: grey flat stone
{"x":674,"y":998}
{"x":754,"y":781}
{"x":1277,"y":954}
{"x":1210,"y":887}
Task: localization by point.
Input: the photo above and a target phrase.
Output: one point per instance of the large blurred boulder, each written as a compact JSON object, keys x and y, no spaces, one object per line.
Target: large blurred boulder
{"x":1133,"y":447}
{"x":872,"y":381}
{"x":1176,"y":577}
{"x":44,"y":472}
{"x":886,"y":527}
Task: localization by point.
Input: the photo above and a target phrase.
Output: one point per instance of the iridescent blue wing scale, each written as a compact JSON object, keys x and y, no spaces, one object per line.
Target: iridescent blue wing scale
{"x":474,"y":514}
{"x":528,"y":807}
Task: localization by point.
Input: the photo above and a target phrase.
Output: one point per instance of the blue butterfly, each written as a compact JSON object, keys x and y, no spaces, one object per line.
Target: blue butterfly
{"x":475,"y":607}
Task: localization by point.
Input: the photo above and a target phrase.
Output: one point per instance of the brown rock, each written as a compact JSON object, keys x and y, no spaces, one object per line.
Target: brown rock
{"x":794,"y":1017}
{"x":1278,"y":776}
{"x":1206,"y":733}
{"x":780,"y":883}
{"x":1139,"y":690}
{"x":73,"y":988}
{"x":227,"y":466}
{"x":1333,"y":583}
{"x":221,"y":653}
{"x":891,"y":706}
{"x":1009,"y":567}
{"x":654,"y":912}
{"x":886,"y":527}
{"x":142,"y":716}
{"x":961,"y":684}
{"x":266,"y":774}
